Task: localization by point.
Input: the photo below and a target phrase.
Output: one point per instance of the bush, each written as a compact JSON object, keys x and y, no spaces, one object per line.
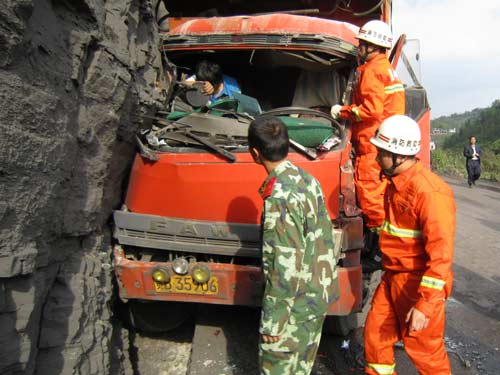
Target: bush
{"x":490,"y":165}
{"x":448,"y":162}
{"x":495,"y":147}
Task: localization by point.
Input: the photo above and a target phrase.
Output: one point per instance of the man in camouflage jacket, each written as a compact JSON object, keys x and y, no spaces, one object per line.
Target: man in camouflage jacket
{"x":299,"y":255}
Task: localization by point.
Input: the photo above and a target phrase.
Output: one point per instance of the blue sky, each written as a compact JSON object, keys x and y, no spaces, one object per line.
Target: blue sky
{"x":460,"y":51}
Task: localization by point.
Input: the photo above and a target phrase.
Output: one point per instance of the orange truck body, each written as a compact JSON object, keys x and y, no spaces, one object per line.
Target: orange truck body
{"x":198,"y":205}
{"x":208,"y":189}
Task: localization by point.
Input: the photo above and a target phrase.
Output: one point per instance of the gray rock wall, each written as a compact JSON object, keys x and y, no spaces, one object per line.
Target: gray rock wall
{"x":74,"y":76}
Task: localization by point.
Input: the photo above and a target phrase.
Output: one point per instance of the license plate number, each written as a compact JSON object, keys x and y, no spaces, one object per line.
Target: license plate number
{"x":186,"y":285}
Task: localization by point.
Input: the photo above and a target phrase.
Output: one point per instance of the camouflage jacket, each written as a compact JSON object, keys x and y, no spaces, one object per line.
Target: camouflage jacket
{"x":299,"y":255}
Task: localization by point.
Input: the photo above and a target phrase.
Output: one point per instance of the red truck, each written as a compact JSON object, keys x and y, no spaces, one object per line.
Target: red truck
{"x":189,"y":229}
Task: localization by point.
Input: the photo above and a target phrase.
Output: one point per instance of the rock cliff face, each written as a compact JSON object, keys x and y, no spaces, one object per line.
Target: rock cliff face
{"x":74,"y":76}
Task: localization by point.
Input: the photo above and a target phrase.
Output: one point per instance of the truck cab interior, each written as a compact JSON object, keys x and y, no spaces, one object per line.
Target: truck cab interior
{"x":276,"y":78}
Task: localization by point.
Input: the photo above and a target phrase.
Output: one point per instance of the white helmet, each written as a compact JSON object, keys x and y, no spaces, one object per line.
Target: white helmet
{"x":398,"y":134}
{"x":376,"y":32}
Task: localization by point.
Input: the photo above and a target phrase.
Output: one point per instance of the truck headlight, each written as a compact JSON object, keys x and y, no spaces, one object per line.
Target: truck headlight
{"x":200,"y":274}
{"x":160,"y":275}
{"x":180,"y":265}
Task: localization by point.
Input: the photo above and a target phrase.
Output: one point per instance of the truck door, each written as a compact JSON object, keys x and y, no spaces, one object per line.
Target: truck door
{"x":405,"y":58}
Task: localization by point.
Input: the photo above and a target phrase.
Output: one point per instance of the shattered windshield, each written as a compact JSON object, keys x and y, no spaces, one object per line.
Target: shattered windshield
{"x":214,"y":117}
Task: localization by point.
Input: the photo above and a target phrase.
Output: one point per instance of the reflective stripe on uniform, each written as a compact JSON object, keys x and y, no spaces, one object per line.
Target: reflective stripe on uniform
{"x":382,"y":369}
{"x":431,"y":282}
{"x":355,"y":110}
{"x":400,"y":232}
{"x":398,"y":87}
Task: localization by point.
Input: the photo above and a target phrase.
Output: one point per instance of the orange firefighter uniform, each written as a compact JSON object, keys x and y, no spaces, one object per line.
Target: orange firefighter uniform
{"x":416,"y":240}
{"x":378,"y":94}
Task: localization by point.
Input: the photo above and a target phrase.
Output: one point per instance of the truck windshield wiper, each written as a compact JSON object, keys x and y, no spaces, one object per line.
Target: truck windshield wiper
{"x":305,"y":150}
{"x":184,"y":129}
{"x":211,"y":146}
{"x":229,"y":112}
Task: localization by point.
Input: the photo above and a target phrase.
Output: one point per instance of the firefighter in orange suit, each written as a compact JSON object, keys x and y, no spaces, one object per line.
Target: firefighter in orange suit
{"x":416,"y":240}
{"x":378,"y":94}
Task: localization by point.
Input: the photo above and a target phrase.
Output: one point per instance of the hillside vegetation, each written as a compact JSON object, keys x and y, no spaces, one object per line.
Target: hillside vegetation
{"x":455,"y":120}
{"x":484,"y":124}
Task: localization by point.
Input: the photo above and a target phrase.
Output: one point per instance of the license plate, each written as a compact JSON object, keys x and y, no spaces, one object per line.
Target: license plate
{"x":186,"y":285}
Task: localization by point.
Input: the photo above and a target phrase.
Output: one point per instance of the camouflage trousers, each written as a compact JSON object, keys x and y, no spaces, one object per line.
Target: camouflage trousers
{"x":295,"y":352}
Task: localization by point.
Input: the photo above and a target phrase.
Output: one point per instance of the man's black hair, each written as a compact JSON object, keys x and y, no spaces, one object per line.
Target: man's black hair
{"x":471,"y":136}
{"x":269,"y":136}
{"x":209,"y":71}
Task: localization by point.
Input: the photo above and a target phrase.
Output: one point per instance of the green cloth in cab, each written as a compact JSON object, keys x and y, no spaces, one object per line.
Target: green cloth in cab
{"x":226,"y":104}
{"x":306,"y":131}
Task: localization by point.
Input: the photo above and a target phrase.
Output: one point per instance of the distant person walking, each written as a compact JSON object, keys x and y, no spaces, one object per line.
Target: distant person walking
{"x":472,"y":153}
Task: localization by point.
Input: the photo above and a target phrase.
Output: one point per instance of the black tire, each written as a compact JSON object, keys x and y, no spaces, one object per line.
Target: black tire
{"x":338,"y":325}
{"x":158,"y":317}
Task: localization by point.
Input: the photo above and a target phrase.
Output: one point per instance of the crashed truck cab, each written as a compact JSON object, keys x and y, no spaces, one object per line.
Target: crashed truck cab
{"x":189,"y":229}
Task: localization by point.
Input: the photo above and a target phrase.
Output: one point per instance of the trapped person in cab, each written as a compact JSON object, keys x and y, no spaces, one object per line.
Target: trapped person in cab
{"x":299,"y":255}
{"x":378,"y":94}
{"x":472,"y":153}
{"x":416,"y":240}
{"x":215,"y":83}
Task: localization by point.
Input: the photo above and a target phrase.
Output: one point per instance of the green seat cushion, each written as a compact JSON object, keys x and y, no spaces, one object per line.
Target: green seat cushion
{"x":308,"y":132}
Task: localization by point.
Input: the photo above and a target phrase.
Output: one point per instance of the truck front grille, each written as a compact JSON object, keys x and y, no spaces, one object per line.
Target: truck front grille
{"x":171,"y":242}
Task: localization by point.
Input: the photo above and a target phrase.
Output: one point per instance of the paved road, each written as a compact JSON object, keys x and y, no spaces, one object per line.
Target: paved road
{"x":474,"y":310}
{"x":225,"y":340}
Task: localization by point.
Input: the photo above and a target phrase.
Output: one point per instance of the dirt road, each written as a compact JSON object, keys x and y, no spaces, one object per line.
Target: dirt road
{"x":224,"y":339}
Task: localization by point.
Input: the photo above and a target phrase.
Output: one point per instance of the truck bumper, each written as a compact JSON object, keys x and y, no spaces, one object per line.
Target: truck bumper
{"x":237,"y":284}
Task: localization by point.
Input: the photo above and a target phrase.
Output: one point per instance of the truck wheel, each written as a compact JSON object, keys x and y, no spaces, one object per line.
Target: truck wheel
{"x":338,"y":325}
{"x":342,"y":325}
{"x":370,"y":283}
{"x":157,"y":317}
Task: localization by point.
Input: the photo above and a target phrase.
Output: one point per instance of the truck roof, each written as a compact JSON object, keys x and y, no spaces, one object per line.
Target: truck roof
{"x":268,"y":24}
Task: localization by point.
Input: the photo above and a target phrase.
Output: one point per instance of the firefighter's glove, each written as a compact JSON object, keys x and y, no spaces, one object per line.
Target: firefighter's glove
{"x":335,"y":111}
